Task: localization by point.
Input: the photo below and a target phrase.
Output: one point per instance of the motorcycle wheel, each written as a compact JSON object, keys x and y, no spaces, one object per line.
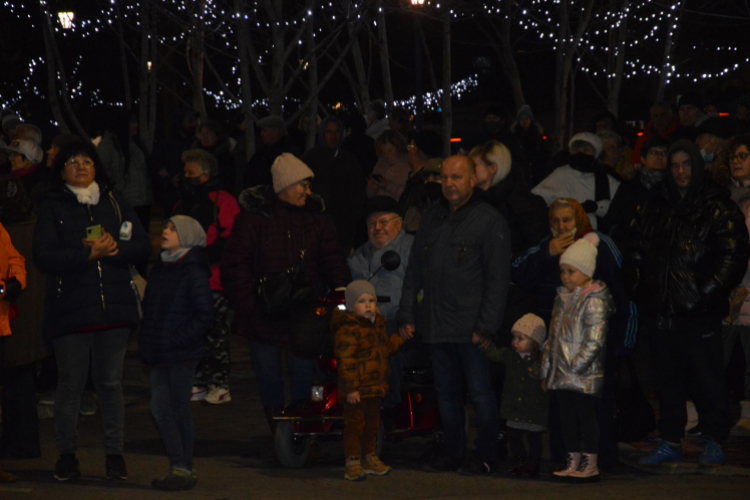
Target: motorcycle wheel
{"x":292,"y":451}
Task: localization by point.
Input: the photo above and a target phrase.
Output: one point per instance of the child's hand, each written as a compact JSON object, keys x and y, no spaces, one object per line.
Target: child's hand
{"x":480,"y":341}
{"x":352,"y":397}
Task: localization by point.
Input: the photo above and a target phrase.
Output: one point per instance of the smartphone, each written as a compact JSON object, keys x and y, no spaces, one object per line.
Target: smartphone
{"x":377,"y":177}
{"x":94,"y":232}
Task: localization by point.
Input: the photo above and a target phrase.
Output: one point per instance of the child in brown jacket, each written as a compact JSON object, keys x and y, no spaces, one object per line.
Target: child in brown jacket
{"x":362,"y":349}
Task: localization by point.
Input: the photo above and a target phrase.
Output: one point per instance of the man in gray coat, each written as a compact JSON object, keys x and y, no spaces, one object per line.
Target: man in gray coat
{"x":454,"y":294}
{"x":385,"y":232}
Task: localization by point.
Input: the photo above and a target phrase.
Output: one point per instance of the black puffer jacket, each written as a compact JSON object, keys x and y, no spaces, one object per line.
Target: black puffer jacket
{"x":686,"y":254}
{"x":177,"y":311}
{"x":83,"y":294}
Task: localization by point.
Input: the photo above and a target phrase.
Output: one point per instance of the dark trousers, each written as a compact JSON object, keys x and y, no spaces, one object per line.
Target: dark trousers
{"x":689,"y":363}
{"x":20,"y":421}
{"x":171,"y":387}
{"x":361,"y":422}
{"x":517,"y":448}
{"x":268,"y":366}
{"x":452,"y":365}
{"x":106,"y":352}
{"x":578,"y":417}
{"x":214,"y":369}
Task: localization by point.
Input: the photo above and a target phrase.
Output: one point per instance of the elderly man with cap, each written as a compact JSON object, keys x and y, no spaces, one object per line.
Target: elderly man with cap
{"x":274,"y":142}
{"x":385,"y":232}
{"x":455,"y":290}
{"x":280,"y":227}
{"x":585,"y":180}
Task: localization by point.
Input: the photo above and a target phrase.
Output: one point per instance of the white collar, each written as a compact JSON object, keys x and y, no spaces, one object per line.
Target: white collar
{"x":88,"y":195}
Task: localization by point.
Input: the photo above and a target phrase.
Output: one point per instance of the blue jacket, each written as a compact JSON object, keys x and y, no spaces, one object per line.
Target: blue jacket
{"x":82,"y":294}
{"x":388,"y":284}
{"x":538,"y":272}
{"x":177,"y":311}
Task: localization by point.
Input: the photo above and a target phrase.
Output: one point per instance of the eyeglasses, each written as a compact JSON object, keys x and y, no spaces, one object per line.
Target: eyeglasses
{"x":74,"y":164}
{"x":739,"y":157}
{"x":305,"y":185}
{"x":657,"y":154}
{"x":373,"y":224}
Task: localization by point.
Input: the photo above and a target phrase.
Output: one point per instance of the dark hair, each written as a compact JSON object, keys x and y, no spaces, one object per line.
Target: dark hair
{"x":735,"y":142}
{"x":76,"y":148}
{"x":356,"y":123}
{"x":214,"y":127}
{"x":606,"y":115}
{"x":377,"y":108}
{"x":400,"y":115}
{"x":656,"y":141}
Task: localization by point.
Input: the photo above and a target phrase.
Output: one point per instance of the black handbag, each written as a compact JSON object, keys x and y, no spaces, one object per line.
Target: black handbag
{"x":278,"y":293}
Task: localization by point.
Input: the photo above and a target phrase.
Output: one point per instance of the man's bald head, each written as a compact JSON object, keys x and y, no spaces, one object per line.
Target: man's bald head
{"x":458,"y":177}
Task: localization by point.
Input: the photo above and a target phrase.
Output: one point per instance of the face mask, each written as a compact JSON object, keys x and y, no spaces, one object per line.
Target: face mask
{"x":190,"y":183}
{"x":434,"y":190}
{"x":707,"y":157}
{"x":555,"y":234}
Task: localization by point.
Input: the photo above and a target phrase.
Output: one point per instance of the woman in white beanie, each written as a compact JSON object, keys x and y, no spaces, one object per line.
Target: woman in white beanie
{"x":573,"y":358}
{"x":279,"y":228}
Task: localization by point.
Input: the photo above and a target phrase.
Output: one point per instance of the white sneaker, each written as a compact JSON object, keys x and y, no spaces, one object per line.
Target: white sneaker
{"x":198,"y":394}
{"x":217,"y":396}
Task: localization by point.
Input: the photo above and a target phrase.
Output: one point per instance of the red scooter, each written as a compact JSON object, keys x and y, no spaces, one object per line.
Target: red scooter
{"x":322,"y":416}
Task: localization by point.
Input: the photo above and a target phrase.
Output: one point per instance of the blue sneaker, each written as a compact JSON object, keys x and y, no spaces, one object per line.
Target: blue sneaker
{"x":712,"y":455}
{"x":664,"y":452}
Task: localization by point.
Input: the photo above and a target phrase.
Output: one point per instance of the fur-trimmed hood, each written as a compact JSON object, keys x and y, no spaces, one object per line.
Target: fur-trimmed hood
{"x":262,"y":200}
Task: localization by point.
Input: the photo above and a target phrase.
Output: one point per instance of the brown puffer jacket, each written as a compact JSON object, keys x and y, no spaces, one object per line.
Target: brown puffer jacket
{"x":362,"y":350}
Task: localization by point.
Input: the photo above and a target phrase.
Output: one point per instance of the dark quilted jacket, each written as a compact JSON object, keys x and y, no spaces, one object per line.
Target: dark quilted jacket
{"x":685,"y":257}
{"x":362,"y":350}
{"x":177,"y":311}
{"x":267,"y":239}
{"x":81,"y":294}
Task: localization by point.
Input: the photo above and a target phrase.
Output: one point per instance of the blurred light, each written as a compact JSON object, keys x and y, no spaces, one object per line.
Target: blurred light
{"x":66,"y":19}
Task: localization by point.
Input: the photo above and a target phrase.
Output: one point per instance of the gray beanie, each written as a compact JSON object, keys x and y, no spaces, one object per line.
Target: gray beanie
{"x":532,"y":326}
{"x":189,"y":231}
{"x":355,"y":290}
{"x":286,"y":170}
{"x":525,"y":111}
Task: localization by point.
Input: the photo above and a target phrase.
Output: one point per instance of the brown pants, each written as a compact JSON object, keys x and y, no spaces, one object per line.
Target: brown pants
{"x":361,"y":422}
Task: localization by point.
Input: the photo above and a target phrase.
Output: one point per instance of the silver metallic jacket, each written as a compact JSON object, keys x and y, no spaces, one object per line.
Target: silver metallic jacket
{"x":573,"y":356}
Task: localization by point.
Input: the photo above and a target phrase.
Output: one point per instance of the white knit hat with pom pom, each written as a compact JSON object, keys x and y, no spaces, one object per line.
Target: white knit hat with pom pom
{"x":582,"y":254}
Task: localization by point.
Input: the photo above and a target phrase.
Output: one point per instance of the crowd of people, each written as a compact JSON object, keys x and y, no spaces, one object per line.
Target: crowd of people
{"x":526,"y":281}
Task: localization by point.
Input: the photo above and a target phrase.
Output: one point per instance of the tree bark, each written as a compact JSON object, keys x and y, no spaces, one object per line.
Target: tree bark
{"x":669,"y":43}
{"x":508,"y":60}
{"x":195,"y":45}
{"x":243,"y":36}
{"x":359,"y":67}
{"x":447,"y":97}
{"x":123,"y":59}
{"x":147,"y":78}
{"x":616,"y":57}
{"x":312,"y":78}
{"x":52,"y":94}
{"x":385,"y":63}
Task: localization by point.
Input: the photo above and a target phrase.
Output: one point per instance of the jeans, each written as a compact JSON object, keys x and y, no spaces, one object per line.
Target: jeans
{"x":579,"y":421}
{"x":452,"y":364}
{"x":361,"y":422}
{"x":730,"y":334}
{"x":171,"y":387}
{"x":106,"y":352}
{"x":267,"y":363}
{"x":690,"y":362}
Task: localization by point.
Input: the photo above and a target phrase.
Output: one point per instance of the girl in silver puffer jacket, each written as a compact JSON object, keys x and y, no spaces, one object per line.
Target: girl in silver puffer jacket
{"x":573,"y":357}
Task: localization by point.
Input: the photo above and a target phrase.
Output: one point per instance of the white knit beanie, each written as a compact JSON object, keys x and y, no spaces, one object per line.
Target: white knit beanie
{"x":287,"y":169}
{"x":532,"y":326}
{"x":592,"y":139}
{"x":355,"y":290}
{"x":582,"y":254}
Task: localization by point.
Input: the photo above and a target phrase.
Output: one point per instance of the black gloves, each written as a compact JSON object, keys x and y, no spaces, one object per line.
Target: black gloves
{"x":12,"y":290}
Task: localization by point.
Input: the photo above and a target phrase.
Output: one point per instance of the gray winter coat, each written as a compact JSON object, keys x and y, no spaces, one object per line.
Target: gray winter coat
{"x":573,"y":356}
{"x":134,"y":184}
{"x":457,"y":280}
{"x":388,"y":284}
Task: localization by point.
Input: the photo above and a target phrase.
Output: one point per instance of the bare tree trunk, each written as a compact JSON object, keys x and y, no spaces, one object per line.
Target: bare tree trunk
{"x":616,"y":57}
{"x":52,"y":94}
{"x":312,"y":78}
{"x":359,"y":66}
{"x":673,"y":29}
{"x":507,"y":58}
{"x":428,"y":60}
{"x":123,"y":59}
{"x":195,"y":44}
{"x":447,"y":97}
{"x":147,"y":76}
{"x":385,"y":63}
{"x":243,"y":36}
{"x":61,"y":74}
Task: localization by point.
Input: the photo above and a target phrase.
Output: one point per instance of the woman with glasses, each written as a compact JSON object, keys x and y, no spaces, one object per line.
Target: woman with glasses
{"x":738,"y":324}
{"x":85,"y":241}
{"x":280,"y":227}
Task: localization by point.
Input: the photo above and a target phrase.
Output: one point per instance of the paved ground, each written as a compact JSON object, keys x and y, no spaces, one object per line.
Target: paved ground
{"x":235,"y":460}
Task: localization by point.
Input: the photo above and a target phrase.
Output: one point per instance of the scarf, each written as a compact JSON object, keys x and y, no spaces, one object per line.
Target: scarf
{"x":166,"y":257}
{"x":650,"y":178}
{"x":88,"y":195}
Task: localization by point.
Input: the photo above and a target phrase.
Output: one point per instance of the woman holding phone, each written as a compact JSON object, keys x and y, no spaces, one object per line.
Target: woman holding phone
{"x":85,"y":241}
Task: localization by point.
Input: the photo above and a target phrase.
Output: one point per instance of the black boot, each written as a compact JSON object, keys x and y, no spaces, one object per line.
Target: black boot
{"x":517,"y":468}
